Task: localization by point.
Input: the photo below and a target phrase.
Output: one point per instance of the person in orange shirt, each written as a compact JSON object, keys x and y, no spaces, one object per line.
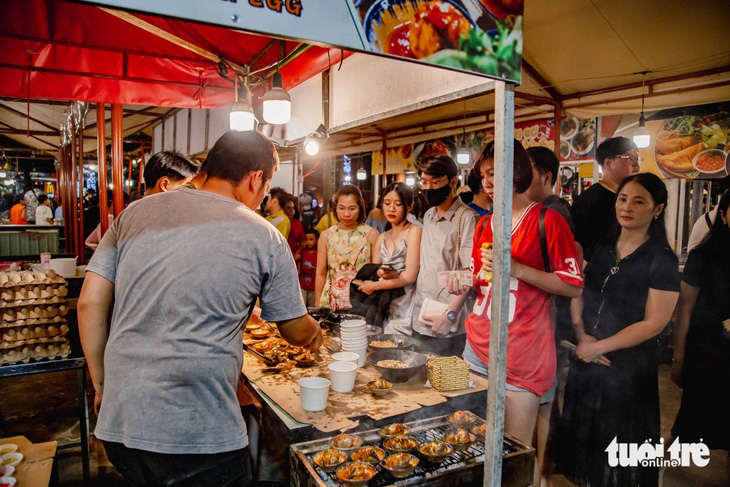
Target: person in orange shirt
{"x":18,"y":215}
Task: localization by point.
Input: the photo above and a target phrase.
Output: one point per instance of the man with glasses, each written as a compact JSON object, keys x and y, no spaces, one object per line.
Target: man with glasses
{"x":594,"y":212}
{"x":446,"y":245}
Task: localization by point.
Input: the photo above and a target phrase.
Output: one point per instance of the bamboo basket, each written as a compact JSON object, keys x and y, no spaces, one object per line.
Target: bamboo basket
{"x":448,"y":373}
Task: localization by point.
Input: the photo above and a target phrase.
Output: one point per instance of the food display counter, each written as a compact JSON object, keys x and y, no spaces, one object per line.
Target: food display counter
{"x":275,"y":389}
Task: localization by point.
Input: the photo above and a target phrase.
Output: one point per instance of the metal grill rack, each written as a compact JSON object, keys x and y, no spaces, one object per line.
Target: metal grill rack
{"x":423,"y":431}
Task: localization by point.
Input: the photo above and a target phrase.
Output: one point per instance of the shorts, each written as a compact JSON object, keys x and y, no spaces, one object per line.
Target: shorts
{"x":476,"y":365}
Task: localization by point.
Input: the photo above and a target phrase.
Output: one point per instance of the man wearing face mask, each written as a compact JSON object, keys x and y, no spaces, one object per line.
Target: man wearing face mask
{"x":446,"y":245}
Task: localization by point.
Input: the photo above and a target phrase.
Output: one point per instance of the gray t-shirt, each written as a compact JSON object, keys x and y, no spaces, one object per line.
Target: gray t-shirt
{"x":187,"y":268}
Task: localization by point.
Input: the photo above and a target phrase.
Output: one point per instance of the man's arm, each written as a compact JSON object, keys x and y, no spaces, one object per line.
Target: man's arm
{"x":302,"y":332}
{"x":97,"y":295}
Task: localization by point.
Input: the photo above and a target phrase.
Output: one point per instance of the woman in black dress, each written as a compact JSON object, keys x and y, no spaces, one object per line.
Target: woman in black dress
{"x":631,"y":288}
{"x":702,"y":339}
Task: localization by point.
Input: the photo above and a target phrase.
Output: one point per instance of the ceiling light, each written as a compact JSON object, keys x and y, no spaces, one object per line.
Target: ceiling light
{"x":348,"y":178}
{"x":242,"y":117}
{"x":362,"y":174}
{"x":313,"y":140}
{"x":410,"y":179}
{"x":642,"y":136}
{"x":277,"y":102}
{"x":2,"y":174}
{"x":9,"y":182}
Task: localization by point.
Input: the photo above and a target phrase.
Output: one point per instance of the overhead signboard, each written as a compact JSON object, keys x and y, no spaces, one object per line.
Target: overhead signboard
{"x":477,"y":36}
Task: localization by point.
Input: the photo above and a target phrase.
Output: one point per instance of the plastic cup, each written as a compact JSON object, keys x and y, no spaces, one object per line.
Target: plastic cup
{"x":342,"y":375}
{"x":362,"y":354}
{"x":346,"y":357}
{"x":354,"y":346}
{"x":313,"y":392}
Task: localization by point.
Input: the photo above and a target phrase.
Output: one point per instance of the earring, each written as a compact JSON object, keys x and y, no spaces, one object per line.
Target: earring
{"x":656,"y":216}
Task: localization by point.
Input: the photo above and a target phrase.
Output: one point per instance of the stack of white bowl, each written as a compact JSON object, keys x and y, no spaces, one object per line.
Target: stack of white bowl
{"x":354,"y":338}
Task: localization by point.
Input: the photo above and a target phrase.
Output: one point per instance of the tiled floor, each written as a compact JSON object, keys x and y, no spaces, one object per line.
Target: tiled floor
{"x":43,"y":408}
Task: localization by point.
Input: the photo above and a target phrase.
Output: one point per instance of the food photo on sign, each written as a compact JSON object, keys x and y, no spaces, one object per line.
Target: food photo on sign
{"x":693,"y":146}
{"x":482,"y":36}
{"x":577,"y":139}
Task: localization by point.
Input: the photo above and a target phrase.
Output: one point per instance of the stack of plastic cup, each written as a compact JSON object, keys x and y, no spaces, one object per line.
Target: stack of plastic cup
{"x":354,"y":338}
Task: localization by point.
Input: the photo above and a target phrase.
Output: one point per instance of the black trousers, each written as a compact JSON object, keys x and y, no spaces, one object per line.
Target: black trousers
{"x":145,"y":468}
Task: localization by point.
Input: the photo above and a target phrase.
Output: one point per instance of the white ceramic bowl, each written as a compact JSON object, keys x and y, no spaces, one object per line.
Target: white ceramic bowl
{"x":11,"y":459}
{"x":8,"y":448}
{"x":9,"y":481}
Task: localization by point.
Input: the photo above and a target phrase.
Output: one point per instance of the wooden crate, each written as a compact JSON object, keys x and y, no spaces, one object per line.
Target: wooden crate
{"x":460,"y":468}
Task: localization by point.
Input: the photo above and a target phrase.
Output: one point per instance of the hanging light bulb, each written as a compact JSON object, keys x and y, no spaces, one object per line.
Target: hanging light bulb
{"x":463,"y":156}
{"x":311,"y":147}
{"x":277,"y":102}
{"x":348,"y":178}
{"x":642,"y":136}
{"x":410,"y":179}
{"x":312,"y":141}
{"x":242,"y":117}
{"x":362,"y":174}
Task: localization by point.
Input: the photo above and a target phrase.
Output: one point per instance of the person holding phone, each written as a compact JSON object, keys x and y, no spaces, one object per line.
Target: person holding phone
{"x":398,"y":249}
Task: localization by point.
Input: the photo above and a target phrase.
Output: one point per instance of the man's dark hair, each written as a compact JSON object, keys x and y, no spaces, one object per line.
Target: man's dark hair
{"x":613,"y":147}
{"x":91,"y":191}
{"x":173,"y":165}
{"x":280,"y":195}
{"x":437,"y":166}
{"x":41,"y":199}
{"x":311,"y":230}
{"x":236,"y":154}
{"x":545,"y":161}
{"x":522,"y":165}
{"x":474,"y":182}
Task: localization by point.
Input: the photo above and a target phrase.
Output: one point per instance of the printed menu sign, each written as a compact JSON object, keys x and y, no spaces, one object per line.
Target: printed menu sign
{"x":483,"y":37}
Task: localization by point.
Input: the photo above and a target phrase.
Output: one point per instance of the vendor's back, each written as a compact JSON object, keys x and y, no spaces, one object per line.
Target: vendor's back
{"x":187,"y":267}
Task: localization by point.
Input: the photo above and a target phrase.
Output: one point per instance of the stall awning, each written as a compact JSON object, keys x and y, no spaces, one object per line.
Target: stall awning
{"x":60,"y":50}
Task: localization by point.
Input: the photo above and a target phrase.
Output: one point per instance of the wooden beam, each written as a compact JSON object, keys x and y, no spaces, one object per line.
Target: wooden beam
{"x":544,"y":84}
{"x":649,"y":83}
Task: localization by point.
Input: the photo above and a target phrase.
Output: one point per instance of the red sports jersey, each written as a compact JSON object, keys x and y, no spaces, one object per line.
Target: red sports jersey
{"x":531,"y":340}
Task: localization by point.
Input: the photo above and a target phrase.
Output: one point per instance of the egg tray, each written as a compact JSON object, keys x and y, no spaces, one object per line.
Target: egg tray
{"x":33,"y":291}
{"x":38,"y":352}
{"x":33,"y":322}
{"x":8,"y":345}
{"x":31,"y":312}
{"x":16,"y":333}
{"x":24,"y":278}
{"x":32,"y":302}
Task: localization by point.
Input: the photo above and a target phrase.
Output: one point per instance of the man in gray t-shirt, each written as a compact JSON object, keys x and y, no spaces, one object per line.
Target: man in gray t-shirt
{"x":183,"y":270}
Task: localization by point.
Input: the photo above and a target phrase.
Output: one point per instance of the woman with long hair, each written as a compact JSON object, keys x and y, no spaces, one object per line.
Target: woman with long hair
{"x":531,"y":362}
{"x":343,"y":249}
{"x":398,"y":247}
{"x":702,"y":339}
{"x":631,"y":288}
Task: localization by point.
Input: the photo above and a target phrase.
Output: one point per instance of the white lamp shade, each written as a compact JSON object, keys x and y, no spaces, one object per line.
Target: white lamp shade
{"x":362,"y":174}
{"x":463,"y":157}
{"x":241,"y":120}
{"x":311,"y":147}
{"x":642,"y":137}
{"x":410,"y":180}
{"x":277,"y":112}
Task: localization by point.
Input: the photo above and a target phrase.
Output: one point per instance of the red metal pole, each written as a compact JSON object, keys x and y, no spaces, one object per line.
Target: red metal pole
{"x":82,"y":237}
{"x":117,"y":158}
{"x":74,"y":214}
{"x":142,"y":163}
{"x":129,"y":179}
{"x":64,"y":184}
{"x":101,"y":161}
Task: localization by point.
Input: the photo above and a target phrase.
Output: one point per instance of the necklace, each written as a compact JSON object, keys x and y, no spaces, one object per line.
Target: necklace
{"x":394,"y":240}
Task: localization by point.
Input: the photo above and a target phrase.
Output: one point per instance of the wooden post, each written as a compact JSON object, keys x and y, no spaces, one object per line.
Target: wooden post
{"x":117,"y":158}
{"x":504,"y":129}
{"x":385,"y":162}
{"x":101,"y":162}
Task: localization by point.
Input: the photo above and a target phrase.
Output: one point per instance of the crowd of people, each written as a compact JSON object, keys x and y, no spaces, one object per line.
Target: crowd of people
{"x":600,"y":274}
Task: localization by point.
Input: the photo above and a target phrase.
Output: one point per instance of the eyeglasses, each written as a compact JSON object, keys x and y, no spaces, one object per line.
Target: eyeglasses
{"x":433,"y":183}
{"x":631,"y":159}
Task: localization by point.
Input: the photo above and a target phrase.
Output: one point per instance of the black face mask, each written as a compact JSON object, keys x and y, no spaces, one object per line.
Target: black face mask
{"x":435,"y":197}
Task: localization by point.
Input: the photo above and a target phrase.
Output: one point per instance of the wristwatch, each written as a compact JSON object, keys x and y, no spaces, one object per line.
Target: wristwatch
{"x":451,"y":316}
